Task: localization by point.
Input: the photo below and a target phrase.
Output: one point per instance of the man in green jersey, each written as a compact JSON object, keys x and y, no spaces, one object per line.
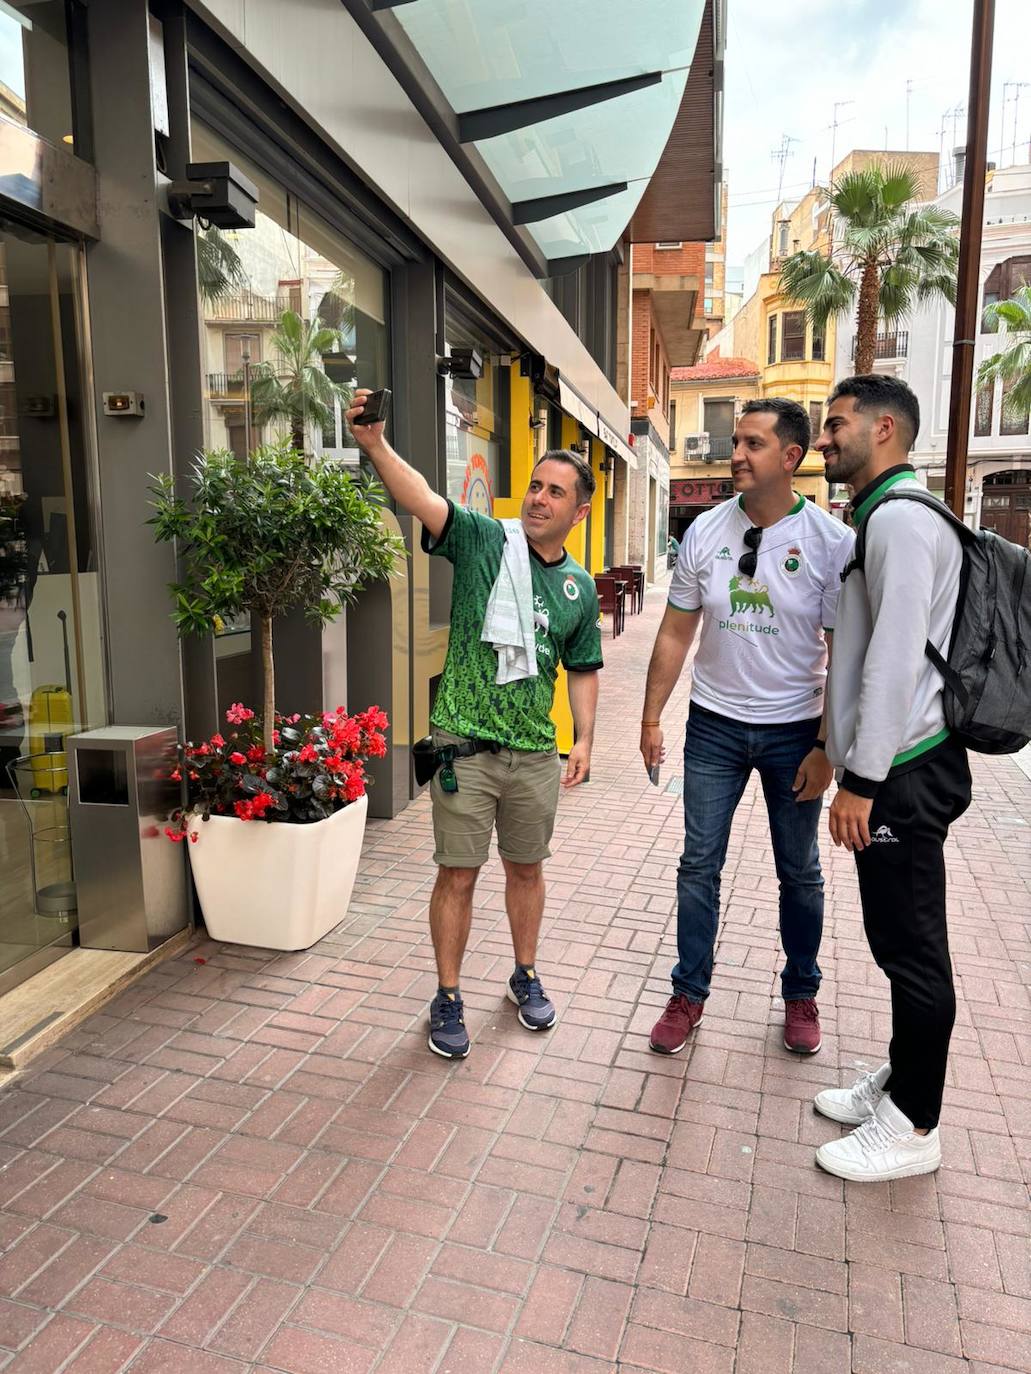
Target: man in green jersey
{"x":502,"y":767}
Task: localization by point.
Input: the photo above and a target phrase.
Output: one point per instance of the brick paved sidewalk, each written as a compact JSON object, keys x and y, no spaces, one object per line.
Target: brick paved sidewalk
{"x":254,"y":1162}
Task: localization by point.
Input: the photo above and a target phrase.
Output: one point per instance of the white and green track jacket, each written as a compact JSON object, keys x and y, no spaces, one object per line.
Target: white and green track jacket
{"x":884,"y":701}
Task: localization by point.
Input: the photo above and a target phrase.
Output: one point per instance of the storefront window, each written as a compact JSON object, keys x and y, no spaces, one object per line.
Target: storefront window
{"x":294,"y":319}
{"x":476,"y":423}
{"x":52,"y":681}
{"x":37,"y":41}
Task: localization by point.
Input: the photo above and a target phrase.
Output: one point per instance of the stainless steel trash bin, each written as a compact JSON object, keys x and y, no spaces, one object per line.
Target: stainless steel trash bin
{"x":130,"y":879}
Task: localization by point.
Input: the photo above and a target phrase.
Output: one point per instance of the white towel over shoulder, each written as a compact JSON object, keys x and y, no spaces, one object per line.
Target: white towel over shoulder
{"x":508,"y":624}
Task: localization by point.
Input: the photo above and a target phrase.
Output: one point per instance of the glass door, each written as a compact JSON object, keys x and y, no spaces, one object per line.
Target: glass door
{"x":51,"y":659}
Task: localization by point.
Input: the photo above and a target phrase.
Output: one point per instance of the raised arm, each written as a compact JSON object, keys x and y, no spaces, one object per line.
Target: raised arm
{"x":408,"y":488}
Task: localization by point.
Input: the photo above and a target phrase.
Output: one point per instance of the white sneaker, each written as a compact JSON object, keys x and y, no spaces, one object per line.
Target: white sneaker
{"x":885,"y":1146}
{"x":852,"y":1106}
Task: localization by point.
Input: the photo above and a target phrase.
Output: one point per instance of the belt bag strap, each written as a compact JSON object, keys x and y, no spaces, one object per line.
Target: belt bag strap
{"x":468,"y":748}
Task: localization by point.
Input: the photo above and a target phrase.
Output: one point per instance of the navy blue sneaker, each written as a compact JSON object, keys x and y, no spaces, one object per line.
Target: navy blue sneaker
{"x":535,"y":1011}
{"x":448,"y":1036}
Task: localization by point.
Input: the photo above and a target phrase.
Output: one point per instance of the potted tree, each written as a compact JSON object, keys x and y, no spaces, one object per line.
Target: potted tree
{"x":263,"y":536}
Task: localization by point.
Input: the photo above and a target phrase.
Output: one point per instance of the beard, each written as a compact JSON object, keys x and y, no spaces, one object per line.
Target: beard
{"x":850,"y":460}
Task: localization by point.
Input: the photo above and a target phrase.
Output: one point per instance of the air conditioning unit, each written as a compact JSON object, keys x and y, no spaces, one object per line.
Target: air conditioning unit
{"x":696,"y":445}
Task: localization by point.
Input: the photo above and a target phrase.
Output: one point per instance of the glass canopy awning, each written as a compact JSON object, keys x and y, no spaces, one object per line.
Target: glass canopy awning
{"x":570,"y":103}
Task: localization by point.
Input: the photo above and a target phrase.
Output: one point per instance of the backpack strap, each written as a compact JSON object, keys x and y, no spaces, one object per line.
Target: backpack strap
{"x":967,"y":536}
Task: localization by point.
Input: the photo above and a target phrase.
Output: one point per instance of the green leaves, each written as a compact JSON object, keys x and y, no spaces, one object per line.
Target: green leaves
{"x":816,"y":282}
{"x":1012,"y":365}
{"x":296,"y":388}
{"x":271,"y":533}
{"x":913,"y":249}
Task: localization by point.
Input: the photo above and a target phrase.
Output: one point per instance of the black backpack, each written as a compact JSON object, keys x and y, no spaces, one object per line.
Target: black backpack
{"x":987,"y":677}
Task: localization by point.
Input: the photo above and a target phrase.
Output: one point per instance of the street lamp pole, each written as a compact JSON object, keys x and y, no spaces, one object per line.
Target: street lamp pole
{"x":246,"y":360}
{"x":967,"y":286}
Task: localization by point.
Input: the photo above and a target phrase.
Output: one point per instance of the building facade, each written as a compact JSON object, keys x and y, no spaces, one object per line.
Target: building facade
{"x":434,"y":199}
{"x":795,"y":359}
{"x":667,"y":328}
{"x":707,"y":400}
{"x":998,"y":485}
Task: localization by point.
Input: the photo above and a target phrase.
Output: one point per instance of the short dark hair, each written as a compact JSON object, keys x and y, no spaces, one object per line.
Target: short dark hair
{"x":585,"y":481}
{"x":792,"y":424}
{"x":889,"y":395}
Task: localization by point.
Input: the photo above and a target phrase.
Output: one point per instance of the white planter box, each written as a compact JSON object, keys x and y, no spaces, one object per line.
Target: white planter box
{"x":277,"y":886}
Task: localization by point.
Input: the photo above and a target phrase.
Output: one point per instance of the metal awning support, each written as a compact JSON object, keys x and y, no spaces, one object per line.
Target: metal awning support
{"x":518,"y":114}
{"x":543,"y":207}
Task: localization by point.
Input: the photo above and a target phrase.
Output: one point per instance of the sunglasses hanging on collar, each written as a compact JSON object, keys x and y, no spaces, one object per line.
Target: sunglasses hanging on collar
{"x":749,"y":561}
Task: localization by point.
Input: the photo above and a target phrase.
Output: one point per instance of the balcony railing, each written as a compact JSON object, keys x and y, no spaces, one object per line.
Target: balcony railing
{"x":246,"y":305}
{"x":225,"y":386}
{"x":889,"y":345}
{"x":712,"y":449}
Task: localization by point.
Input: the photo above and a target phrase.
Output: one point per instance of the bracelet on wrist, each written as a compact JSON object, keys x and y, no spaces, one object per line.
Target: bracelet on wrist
{"x":820,"y":744}
{"x":651,"y":722}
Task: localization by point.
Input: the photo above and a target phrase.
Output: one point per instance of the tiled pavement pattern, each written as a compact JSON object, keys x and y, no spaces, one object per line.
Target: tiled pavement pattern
{"x":251,"y":1161}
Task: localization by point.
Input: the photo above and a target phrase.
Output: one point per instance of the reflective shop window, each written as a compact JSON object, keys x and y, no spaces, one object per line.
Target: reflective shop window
{"x":476,"y":423}
{"x":42,"y":69}
{"x":52,"y":662}
{"x":295,"y":317}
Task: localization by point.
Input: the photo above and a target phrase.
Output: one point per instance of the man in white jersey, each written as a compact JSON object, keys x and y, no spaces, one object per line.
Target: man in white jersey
{"x":761,"y":575}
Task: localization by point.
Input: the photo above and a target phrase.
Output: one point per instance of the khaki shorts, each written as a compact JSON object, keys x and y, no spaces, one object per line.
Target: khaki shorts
{"x":516,"y":790}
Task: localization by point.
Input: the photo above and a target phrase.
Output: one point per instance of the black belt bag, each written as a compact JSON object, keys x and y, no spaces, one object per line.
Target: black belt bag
{"x":427,"y":757}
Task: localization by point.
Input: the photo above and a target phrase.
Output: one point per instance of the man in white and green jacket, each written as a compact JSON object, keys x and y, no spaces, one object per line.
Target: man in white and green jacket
{"x":902,"y":779}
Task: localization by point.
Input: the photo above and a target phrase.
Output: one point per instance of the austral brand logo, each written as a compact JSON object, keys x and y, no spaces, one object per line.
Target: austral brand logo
{"x":724,"y":552}
{"x":793,"y":562}
{"x":883,"y":835}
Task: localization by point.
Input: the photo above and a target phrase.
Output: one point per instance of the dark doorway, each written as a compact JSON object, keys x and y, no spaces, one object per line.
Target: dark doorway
{"x":1006,"y":505}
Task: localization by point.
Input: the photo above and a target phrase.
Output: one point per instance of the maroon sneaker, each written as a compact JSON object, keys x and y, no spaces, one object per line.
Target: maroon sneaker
{"x":670,"y":1032}
{"x":802,"y":1026}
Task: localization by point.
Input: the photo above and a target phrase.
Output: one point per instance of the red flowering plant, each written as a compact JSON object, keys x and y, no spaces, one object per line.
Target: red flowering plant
{"x":316,"y":766}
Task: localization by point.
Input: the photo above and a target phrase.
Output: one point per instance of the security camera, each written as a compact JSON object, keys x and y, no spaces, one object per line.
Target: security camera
{"x":463,"y":362}
{"x":216,"y":193}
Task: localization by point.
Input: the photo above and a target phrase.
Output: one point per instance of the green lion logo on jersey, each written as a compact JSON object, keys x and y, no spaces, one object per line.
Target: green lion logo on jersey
{"x":753,"y":597}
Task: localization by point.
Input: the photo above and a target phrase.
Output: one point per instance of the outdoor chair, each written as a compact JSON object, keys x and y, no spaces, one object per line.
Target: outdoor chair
{"x":612,"y":599}
{"x":633,"y":575}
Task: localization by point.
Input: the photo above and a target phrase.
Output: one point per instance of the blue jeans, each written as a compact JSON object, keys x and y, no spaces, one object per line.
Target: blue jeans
{"x":719,"y":755}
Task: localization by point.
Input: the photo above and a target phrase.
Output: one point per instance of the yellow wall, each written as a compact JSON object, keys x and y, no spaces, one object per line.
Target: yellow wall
{"x":523,"y":458}
{"x":805,"y":380}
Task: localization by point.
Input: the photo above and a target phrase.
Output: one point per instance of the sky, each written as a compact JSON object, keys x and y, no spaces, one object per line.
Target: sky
{"x":788,"y":64}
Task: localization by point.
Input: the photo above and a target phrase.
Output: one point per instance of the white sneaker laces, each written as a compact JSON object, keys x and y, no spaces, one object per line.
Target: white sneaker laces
{"x":873,"y":1135}
{"x":868,"y":1090}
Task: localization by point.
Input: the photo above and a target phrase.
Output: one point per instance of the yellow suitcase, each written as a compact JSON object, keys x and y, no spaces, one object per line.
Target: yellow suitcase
{"x":50,"y":720}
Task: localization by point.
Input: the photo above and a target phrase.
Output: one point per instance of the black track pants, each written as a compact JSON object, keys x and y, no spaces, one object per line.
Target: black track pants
{"x":902,"y":887}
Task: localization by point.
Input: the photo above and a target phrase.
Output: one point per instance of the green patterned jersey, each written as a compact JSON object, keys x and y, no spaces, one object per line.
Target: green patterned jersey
{"x":469,"y":700}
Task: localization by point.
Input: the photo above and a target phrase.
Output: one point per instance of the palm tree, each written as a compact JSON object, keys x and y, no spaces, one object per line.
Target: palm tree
{"x":1013,"y":364}
{"x":297,"y":389}
{"x":888,"y":255}
{"x":219,"y":269}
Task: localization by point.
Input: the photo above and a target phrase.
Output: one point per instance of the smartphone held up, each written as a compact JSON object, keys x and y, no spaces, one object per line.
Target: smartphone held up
{"x":376,"y":408}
